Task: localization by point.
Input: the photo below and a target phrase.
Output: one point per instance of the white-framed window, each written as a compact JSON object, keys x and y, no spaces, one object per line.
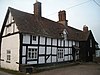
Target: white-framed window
{"x":34,"y":38}
{"x":60,"y":53}
{"x":32,"y":53}
{"x":8,"y":55}
{"x":90,"y":42}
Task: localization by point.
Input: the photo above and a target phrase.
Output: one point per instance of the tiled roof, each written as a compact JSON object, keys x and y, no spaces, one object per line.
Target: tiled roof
{"x":29,"y":23}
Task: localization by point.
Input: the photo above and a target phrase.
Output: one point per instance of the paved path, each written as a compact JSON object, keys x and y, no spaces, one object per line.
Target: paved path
{"x":83,"y":69}
{"x":3,"y":73}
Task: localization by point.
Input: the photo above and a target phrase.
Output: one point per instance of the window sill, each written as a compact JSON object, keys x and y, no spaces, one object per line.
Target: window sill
{"x":8,"y":61}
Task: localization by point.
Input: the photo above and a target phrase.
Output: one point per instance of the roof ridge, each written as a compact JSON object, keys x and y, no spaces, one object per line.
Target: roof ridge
{"x":10,"y":8}
{"x":75,"y":28}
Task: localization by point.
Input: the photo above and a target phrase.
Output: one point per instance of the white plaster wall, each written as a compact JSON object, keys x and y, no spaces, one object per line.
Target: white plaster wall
{"x":48,"y":50}
{"x":41,"y":60}
{"x":66,"y":58}
{"x":49,"y":60}
{"x":9,"y":19}
{"x":70,"y":43}
{"x":26,"y":38}
{"x":54,"y":50}
{"x":59,"y":42}
{"x":42,"y":40}
{"x":73,"y":42}
{"x":54,"y":59}
{"x":10,"y":43}
{"x":24,"y":50}
{"x":48,"y":41}
{"x":13,"y":28}
{"x":66,"y":50}
{"x":41,"y":50}
{"x":54,"y":42}
{"x":23,"y":60}
{"x":35,"y":42}
{"x":32,"y":47}
{"x":66,"y":43}
{"x":32,"y":62}
{"x":70,"y":50}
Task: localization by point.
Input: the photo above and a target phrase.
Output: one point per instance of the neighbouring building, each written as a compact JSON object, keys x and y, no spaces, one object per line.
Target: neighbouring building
{"x":30,"y":40}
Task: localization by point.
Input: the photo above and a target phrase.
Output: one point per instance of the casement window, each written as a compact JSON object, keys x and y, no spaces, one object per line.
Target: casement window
{"x":34,"y":38}
{"x":32,"y":53}
{"x":90,"y":42}
{"x":8,"y":55}
{"x":60,"y":53}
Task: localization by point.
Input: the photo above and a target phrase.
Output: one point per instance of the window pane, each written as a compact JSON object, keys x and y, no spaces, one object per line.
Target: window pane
{"x":60,"y":53}
{"x":34,"y":38}
{"x":32,"y":53}
{"x":8,"y":55}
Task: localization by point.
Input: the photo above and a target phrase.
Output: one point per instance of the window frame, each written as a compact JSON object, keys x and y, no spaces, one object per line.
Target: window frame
{"x":8,"y":55}
{"x":34,"y":38}
{"x":32,"y":53}
{"x":60,"y":53}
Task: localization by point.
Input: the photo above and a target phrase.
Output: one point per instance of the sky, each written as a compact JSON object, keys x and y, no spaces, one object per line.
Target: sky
{"x":78,"y":12}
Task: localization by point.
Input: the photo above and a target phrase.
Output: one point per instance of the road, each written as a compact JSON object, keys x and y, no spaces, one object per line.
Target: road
{"x":83,"y":69}
{"x":3,"y":73}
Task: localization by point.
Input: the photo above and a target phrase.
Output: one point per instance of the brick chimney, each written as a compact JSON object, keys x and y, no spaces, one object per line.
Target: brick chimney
{"x":37,"y":9}
{"x":85,"y":28}
{"x":62,"y":17}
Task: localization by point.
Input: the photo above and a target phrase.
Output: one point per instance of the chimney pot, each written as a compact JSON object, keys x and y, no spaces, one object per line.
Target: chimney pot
{"x":62,"y":17}
{"x":85,"y":28}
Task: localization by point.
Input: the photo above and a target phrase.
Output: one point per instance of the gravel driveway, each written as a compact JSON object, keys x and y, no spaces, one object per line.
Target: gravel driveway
{"x":83,"y":69}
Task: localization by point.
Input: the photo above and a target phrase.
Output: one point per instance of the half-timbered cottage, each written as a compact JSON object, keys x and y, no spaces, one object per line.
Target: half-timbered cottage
{"x":32,"y":40}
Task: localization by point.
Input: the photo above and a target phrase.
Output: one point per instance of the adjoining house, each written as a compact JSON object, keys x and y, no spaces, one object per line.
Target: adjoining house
{"x":30,"y":40}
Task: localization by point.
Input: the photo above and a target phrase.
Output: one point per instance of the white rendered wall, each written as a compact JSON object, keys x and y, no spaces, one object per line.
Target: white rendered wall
{"x":26,"y":38}
{"x":10,"y":43}
{"x":54,"y":42}
{"x":48,"y":41}
{"x":42,"y":40}
{"x":12,"y":26}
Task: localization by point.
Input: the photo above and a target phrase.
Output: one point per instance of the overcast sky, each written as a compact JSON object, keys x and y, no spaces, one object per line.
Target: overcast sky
{"x":78,"y":12}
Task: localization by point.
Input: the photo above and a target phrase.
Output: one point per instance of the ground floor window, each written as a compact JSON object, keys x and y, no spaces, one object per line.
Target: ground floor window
{"x":60,"y":53}
{"x":32,"y":53}
{"x":8,"y":55}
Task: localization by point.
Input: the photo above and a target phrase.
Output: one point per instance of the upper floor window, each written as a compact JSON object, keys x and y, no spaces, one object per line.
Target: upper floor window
{"x":32,"y":53}
{"x":90,"y":42}
{"x":34,"y":38}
